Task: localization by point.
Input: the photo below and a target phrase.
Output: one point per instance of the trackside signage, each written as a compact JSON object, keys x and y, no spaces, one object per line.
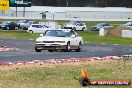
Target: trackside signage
{"x":4,"y":4}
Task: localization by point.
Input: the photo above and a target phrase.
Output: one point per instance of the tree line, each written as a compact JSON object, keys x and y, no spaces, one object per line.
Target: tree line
{"x":83,"y":3}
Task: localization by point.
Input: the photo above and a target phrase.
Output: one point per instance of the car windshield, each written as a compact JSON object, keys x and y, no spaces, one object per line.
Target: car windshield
{"x":6,"y":23}
{"x":37,"y":26}
{"x":58,"y":33}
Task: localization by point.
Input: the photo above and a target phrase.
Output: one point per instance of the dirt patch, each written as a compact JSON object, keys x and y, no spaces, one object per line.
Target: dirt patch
{"x":114,"y":32}
{"x":117,"y":31}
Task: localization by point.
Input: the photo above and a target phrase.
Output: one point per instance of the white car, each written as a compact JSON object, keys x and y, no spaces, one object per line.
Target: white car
{"x":127,"y":25}
{"x":38,"y":28}
{"x":75,"y":25}
{"x":59,"y":39}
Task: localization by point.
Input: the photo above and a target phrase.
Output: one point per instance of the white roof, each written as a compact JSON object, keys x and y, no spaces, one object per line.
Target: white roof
{"x":64,"y":9}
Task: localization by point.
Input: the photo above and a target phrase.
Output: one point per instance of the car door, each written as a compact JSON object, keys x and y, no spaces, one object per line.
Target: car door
{"x":40,"y":29}
{"x":12,"y":26}
{"x":73,"y":40}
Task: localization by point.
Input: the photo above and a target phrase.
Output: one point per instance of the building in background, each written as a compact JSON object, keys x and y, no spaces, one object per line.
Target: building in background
{"x":67,"y":13}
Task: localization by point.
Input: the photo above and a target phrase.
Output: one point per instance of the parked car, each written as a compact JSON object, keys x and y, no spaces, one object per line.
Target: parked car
{"x":100,"y":25}
{"x":75,"y":25}
{"x":8,"y":25}
{"x":38,"y":28}
{"x":24,"y":24}
{"x":59,"y":39}
{"x":127,"y":25}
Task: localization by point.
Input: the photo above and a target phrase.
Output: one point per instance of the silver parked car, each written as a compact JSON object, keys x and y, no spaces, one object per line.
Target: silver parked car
{"x":100,"y":25}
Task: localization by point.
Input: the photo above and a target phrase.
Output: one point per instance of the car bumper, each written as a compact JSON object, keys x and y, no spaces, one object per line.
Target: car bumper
{"x":50,"y":47}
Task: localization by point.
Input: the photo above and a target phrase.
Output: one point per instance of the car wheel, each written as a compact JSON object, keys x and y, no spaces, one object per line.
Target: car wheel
{"x":50,"y":50}
{"x":30,"y":31}
{"x":79,"y":47}
{"x":68,"y":47}
{"x":83,"y":28}
{"x":37,"y":50}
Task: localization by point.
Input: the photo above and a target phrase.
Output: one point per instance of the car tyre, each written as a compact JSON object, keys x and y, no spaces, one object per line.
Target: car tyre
{"x":50,"y":50}
{"x":83,"y":28}
{"x":37,"y":50}
{"x":68,"y":47}
{"x":79,"y":47}
{"x":30,"y":31}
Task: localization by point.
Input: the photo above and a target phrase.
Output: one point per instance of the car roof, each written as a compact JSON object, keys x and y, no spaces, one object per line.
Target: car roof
{"x":66,"y":30}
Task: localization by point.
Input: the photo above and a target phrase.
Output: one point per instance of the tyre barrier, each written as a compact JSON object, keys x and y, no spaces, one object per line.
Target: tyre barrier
{"x":5,"y":48}
{"x":65,"y":60}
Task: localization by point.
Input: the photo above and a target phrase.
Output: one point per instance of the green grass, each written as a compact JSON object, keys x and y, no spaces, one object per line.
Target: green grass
{"x":87,"y":36}
{"x":88,"y":23}
{"x":62,"y":76}
{"x":94,"y":37}
{"x":18,"y":35}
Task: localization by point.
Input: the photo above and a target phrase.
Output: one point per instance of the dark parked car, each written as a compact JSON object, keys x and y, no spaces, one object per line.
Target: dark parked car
{"x":9,"y":26}
{"x":100,"y":25}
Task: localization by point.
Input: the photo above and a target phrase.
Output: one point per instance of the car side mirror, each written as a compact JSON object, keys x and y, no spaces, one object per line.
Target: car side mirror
{"x":41,"y":35}
{"x":73,"y":36}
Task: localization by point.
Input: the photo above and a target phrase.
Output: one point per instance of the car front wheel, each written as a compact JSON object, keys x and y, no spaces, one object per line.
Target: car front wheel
{"x":37,"y":50}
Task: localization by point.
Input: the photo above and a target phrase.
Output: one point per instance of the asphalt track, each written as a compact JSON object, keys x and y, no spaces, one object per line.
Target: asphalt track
{"x":26,"y":51}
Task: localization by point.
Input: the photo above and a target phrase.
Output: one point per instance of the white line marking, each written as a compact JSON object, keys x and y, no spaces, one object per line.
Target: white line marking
{"x":115,"y":44}
{"x":103,"y":43}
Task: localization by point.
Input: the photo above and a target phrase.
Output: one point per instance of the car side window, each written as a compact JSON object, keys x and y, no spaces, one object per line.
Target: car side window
{"x":73,"y":33}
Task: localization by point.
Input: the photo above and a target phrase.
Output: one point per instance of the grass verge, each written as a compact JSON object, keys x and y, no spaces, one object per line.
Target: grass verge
{"x":62,"y":75}
{"x":87,"y":36}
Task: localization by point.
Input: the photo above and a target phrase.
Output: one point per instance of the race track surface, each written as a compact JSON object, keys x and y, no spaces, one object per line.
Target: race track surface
{"x":26,"y":51}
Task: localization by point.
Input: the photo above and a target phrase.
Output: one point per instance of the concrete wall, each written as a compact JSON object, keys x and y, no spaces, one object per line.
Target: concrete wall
{"x":70,"y":15}
{"x":99,"y":15}
{"x":127,"y":33}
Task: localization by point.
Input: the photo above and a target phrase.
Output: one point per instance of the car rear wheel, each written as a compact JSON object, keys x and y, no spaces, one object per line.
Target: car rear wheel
{"x":79,"y":47}
{"x":30,"y":31}
{"x":83,"y":28}
{"x":50,"y":50}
